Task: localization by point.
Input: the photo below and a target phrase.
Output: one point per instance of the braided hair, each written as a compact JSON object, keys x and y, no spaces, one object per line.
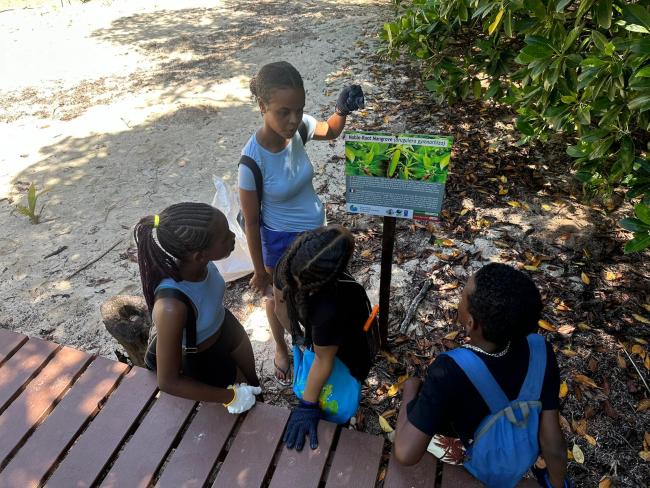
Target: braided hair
{"x":183,"y":228}
{"x":274,"y":76}
{"x":312,"y":263}
{"x":505,"y":302}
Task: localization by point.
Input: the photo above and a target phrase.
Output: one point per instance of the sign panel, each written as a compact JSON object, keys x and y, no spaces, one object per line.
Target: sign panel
{"x":396,"y":175}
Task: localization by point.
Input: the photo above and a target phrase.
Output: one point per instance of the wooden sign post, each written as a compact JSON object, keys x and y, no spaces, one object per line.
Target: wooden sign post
{"x":387,"y":242}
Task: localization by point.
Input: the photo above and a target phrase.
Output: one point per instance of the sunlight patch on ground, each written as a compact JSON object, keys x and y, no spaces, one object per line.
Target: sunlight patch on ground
{"x":259,"y":325}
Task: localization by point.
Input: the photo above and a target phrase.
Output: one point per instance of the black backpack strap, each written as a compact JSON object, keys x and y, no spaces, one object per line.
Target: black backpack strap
{"x":302,"y":130}
{"x":190,"y":323}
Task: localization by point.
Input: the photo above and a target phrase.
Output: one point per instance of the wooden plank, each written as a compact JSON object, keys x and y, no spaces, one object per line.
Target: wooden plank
{"x":195,"y":456}
{"x":97,"y":444}
{"x":145,"y":451}
{"x":304,"y":469}
{"x":50,"y":439}
{"x":20,"y":367}
{"x":9,"y":342}
{"x":356,"y":460}
{"x":420,"y":475}
{"x":35,"y":401}
{"x":454,"y":476}
{"x":251,"y":453}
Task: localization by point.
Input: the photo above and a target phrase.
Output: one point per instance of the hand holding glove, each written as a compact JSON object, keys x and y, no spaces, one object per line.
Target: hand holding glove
{"x":350,"y":99}
{"x":303,"y":421}
{"x":244,"y":397}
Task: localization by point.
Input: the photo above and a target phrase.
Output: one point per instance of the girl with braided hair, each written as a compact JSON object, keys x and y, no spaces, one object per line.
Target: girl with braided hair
{"x":277,"y":196}
{"x":321,"y":305}
{"x":197,"y":347}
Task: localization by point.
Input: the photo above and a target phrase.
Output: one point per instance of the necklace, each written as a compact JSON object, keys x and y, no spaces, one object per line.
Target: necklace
{"x":491,"y":354}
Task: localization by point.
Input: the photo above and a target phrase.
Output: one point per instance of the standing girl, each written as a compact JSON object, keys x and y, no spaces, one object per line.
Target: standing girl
{"x":317,"y":297}
{"x":199,"y":347}
{"x":289,"y":205}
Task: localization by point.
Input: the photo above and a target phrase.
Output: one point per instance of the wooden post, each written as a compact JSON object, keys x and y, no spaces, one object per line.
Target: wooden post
{"x":127,"y":319}
{"x":388,"y":239}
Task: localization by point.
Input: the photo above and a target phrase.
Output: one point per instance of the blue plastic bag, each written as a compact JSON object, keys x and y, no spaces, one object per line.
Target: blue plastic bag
{"x":341,"y":394}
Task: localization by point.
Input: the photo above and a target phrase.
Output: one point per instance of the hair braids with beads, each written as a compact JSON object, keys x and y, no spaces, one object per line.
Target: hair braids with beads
{"x":183,"y":228}
{"x":313,"y":262}
{"x":274,"y":76}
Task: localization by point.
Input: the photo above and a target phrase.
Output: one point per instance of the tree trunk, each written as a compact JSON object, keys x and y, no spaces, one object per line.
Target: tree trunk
{"x":127,"y":319}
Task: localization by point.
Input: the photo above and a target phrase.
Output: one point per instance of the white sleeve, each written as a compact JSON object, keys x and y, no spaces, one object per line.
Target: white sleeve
{"x":310,"y":122}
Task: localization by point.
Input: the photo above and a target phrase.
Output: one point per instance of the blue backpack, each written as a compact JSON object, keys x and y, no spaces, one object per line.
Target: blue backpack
{"x":506,"y":442}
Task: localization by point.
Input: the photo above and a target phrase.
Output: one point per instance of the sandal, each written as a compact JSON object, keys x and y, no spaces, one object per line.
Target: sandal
{"x":285,"y":372}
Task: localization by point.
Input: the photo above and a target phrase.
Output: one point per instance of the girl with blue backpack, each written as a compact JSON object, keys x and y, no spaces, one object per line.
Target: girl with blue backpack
{"x":278,"y":199}
{"x":499,"y":393}
{"x":330,"y":320}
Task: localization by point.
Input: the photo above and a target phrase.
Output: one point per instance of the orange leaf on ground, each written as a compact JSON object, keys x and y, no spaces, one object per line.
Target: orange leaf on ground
{"x":585,"y":279}
{"x":452,"y":335}
{"x":621,"y":361}
{"x":568,"y":352}
{"x":566,"y":330}
{"x":605,"y":482}
{"x":643,"y":405}
{"x":585,"y":380}
{"x":590,"y":439}
{"x":564,"y":389}
{"x":449,"y":286}
{"x":546,"y":326}
{"x":579,"y":426}
{"x":645,"y":455}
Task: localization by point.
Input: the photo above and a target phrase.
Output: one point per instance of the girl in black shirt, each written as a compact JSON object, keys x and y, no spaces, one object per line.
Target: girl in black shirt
{"x":317,"y":298}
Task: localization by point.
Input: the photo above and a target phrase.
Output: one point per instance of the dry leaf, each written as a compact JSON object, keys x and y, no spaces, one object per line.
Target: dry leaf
{"x":447,"y":243}
{"x":564,"y":423}
{"x":566,"y":330}
{"x":645,"y":455}
{"x":605,"y":482}
{"x":569,"y":353}
{"x":641,"y":318}
{"x":583,"y":327}
{"x":402,"y":379}
{"x":503,"y":179}
{"x":366,"y":253}
{"x":514,"y":203}
{"x":646,"y":439}
{"x":530,"y":268}
{"x":646,"y":306}
{"x":564,"y":389}
{"x":464,"y":211}
{"x":590,"y":439}
{"x":585,"y":279}
{"x":640,"y":341}
{"x":503,"y":191}
{"x":546,"y":326}
{"x":569,"y":455}
{"x":579,"y":426}
{"x":385,"y":426}
{"x":577,"y":454}
{"x":610,"y":276}
{"x":392,"y":391}
{"x":643,"y":405}
{"x":449,"y":286}
{"x":646,"y":362}
{"x":452,"y":335}
{"x":585,"y":380}
{"x":621,"y":361}
{"x":546,"y":207}
{"x":389,"y":413}
{"x":562,"y":307}
{"x":390,"y":357}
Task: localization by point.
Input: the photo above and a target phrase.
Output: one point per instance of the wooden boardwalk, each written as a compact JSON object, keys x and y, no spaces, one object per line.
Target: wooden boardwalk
{"x":72,"y":420}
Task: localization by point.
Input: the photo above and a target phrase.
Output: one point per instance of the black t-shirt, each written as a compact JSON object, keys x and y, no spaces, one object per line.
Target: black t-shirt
{"x":337,"y":315}
{"x":449,"y":404}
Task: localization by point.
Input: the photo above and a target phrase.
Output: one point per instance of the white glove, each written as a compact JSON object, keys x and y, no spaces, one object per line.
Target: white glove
{"x":244,"y":397}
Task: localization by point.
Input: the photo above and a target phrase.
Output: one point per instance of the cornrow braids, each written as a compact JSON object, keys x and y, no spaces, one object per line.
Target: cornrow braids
{"x":183,"y":228}
{"x":273,"y":76}
{"x":313,"y":262}
{"x":505,"y":302}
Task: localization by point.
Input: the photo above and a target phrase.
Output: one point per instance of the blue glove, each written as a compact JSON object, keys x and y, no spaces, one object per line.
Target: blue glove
{"x":350,"y":99}
{"x":302,"y":421}
{"x":542,"y":479}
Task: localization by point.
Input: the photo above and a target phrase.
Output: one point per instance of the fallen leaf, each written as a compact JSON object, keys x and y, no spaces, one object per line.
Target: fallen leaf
{"x":530,"y":268}
{"x":449,"y":286}
{"x":645,"y":455}
{"x":366,"y":253}
{"x":392,"y":391}
{"x":646,"y":362}
{"x":389,"y":413}
{"x":390,"y":357}
{"x":640,"y":341}
{"x":464,"y":211}
{"x":579,"y":427}
{"x":564,"y":423}
{"x":638,"y":350}
{"x":585,"y":380}
{"x":566,"y":330}
{"x":503,"y":179}
{"x":569,"y":353}
{"x":641,"y":318}
{"x":590,"y":439}
{"x":585,"y":279}
{"x":643,"y":405}
{"x":583,"y":327}
{"x":577,"y":454}
{"x":503,"y":191}
{"x":448,"y":243}
{"x":385,"y":426}
{"x":562,"y":307}
{"x":402,"y":379}
{"x":546,"y":326}
{"x":646,"y":438}
{"x":564,"y":389}
{"x":610,"y":276}
{"x":647,"y":306}
{"x":621,"y":361}
{"x":452,"y":335}
{"x":546,"y":207}
{"x":605,"y":482}
{"x":514,"y":203}
{"x":569,"y":455}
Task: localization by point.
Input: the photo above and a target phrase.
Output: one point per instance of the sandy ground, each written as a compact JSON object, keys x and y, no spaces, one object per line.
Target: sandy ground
{"x":121,"y":108}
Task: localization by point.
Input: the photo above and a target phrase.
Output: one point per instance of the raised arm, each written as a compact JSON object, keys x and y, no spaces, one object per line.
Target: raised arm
{"x":350,"y":99}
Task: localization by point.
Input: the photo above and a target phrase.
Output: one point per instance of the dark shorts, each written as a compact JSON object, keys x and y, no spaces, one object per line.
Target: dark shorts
{"x":214,"y":366}
{"x":274,"y":244}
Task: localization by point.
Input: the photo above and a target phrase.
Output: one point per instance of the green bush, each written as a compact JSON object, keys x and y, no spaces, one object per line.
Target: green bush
{"x":575,"y":67}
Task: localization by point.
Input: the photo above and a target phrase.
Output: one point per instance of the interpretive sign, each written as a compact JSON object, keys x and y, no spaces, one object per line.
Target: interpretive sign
{"x":396,"y":175}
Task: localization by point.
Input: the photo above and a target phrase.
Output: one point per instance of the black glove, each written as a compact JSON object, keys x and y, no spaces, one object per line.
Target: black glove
{"x":350,"y":99}
{"x":542,"y":478}
{"x":302,"y":421}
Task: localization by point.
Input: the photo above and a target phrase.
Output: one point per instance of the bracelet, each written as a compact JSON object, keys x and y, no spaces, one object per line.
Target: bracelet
{"x":234,"y":397}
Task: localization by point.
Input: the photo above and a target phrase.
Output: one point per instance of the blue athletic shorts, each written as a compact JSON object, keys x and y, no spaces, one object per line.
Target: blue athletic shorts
{"x":274,"y":243}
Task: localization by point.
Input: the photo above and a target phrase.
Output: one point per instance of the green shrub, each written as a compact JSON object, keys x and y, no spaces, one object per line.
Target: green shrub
{"x":575,"y":67}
